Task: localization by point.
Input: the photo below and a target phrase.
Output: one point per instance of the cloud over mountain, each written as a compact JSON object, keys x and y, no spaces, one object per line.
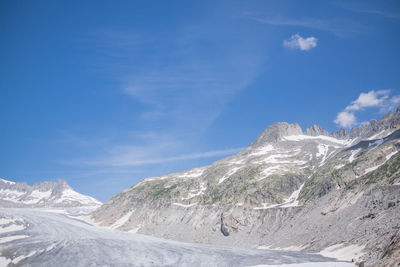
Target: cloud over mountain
{"x":380,"y":99}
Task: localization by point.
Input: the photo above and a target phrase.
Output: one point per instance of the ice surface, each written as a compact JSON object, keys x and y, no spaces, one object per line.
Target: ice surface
{"x":56,"y":240}
{"x":4,"y":221}
{"x":4,"y":261}
{"x":11,"y":238}
{"x":309,"y":264}
{"x":11,"y":228}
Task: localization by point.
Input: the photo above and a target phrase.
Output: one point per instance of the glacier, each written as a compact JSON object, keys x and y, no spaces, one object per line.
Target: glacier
{"x":45,"y":238}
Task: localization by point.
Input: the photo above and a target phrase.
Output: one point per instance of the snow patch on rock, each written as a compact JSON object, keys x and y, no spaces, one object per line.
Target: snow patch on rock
{"x":184,"y":205}
{"x":320,"y":137}
{"x":343,"y":252}
{"x":229,"y":174}
{"x":121,"y":221}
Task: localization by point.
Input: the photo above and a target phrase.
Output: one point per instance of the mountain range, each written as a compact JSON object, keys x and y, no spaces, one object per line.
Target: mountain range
{"x":290,"y":189}
{"x":46,"y":194}
{"x":313,"y":191}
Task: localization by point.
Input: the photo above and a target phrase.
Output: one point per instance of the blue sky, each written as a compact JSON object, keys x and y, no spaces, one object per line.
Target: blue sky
{"x":105,"y":93}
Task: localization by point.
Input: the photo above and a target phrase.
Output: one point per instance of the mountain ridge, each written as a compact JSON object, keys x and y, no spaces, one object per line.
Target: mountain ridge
{"x":42,"y":194}
{"x":286,"y":177}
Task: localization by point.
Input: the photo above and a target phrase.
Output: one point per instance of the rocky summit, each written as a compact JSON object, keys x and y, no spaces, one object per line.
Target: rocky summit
{"x":337,"y":193}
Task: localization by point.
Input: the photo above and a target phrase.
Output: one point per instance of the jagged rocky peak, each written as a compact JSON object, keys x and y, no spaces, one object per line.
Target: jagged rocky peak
{"x":276,"y":131}
{"x":340,"y":134}
{"x":388,"y":115}
{"x":388,"y":123}
{"x":316,"y":130}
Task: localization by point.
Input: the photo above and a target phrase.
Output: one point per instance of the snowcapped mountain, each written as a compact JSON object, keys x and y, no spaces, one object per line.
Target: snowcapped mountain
{"x":46,"y":194}
{"x":289,"y":188}
{"x":268,"y":173}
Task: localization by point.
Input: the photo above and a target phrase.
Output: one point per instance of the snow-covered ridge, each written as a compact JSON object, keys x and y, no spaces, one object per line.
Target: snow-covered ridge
{"x":70,"y":196}
{"x":6,"y":181}
{"x":47,"y":194}
{"x":321,"y":137}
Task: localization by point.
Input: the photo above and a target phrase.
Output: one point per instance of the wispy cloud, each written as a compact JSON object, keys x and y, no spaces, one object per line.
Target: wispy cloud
{"x":333,"y":27}
{"x":279,"y":21}
{"x":379,"y":99}
{"x":388,"y":12}
{"x":338,"y":26}
{"x":178,"y":83}
{"x":132,"y":157}
{"x":298,"y":42}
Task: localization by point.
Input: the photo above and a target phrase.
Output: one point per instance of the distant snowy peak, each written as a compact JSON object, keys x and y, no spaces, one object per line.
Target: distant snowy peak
{"x":6,"y":181}
{"x":69,"y":196}
{"x":46,"y":194}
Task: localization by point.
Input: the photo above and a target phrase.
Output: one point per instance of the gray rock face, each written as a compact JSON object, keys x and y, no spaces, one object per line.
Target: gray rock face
{"x":46,"y":194}
{"x":341,"y":134}
{"x":310,"y":190}
{"x":276,"y":131}
{"x":389,"y":121}
{"x":315,"y":130}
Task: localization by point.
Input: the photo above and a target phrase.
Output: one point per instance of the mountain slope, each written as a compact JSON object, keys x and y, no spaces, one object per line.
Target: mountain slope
{"x":275,"y":192}
{"x":46,"y":194}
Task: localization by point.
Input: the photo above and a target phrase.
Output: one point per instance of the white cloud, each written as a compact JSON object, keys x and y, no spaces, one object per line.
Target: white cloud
{"x":298,"y":42}
{"x":379,"y":99}
{"x":345,"y":119}
{"x":370,"y":99}
{"x":178,"y":94}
